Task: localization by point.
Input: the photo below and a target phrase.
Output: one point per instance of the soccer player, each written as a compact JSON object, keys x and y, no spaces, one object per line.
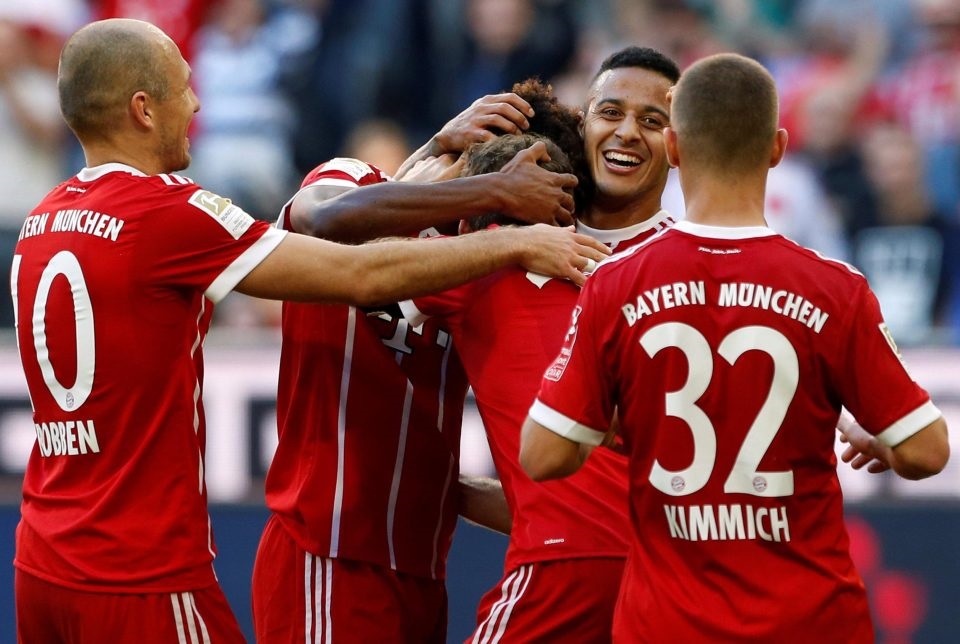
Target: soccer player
{"x":728,"y":351}
{"x":363,"y":487}
{"x":622,"y":127}
{"x":114,"y":279}
{"x":568,"y":539}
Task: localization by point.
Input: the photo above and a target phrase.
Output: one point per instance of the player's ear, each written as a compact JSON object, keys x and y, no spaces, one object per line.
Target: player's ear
{"x":141,"y":110}
{"x":779,"y":147}
{"x":670,"y":143}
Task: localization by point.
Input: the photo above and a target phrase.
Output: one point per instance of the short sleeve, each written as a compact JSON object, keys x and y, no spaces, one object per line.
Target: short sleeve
{"x":575,"y":400}
{"x":199,"y":240}
{"x":873,"y":380}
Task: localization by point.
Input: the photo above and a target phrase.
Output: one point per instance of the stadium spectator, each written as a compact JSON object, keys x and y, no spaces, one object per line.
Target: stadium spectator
{"x":363,"y":487}
{"x":243,"y":141}
{"x":912,"y":255}
{"x":728,"y":402}
{"x":32,"y":133}
{"x":923,"y":94}
{"x":114,"y":280}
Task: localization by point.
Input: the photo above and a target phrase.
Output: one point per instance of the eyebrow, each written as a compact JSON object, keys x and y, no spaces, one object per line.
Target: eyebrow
{"x":620,"y":103}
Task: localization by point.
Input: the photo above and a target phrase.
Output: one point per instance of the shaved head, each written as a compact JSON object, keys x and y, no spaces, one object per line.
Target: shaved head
{"x":724,"y":110}
{"x":103,"y":65}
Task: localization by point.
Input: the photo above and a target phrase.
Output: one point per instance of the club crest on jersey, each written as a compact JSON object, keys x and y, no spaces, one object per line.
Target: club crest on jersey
{"x":233,"y":219}
{"x":560,"y":364}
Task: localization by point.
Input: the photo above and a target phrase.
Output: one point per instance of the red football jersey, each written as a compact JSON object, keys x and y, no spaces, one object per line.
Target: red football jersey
{"x":114,"y":280}
{"x":729,"y":352}
{"x":369,"y":411}
{"x":508,"y":327}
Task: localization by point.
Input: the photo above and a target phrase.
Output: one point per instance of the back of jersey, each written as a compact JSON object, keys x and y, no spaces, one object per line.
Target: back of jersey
{"x":728,"y":352}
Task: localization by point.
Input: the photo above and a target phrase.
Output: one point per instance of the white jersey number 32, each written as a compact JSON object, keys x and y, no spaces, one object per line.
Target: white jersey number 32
{"x":743,"y":477}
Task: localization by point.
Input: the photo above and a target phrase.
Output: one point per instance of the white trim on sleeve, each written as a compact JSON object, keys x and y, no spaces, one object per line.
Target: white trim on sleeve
{"x":564,"y":425}
{"x":412,"y":314}
{"x":242,"y":265}
{"x":909,"y":424}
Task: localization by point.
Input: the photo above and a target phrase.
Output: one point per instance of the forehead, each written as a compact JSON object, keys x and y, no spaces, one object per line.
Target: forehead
{"x":631,"y":86}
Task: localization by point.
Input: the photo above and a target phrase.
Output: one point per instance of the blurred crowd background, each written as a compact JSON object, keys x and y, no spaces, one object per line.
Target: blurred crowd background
{"x":870,"y":95}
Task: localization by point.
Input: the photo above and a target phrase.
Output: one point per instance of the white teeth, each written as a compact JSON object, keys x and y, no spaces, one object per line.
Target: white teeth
{"x":623,"y":158}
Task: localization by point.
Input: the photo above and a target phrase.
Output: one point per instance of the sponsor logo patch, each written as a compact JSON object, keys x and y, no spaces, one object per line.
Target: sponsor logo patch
{"x":233,"y":219}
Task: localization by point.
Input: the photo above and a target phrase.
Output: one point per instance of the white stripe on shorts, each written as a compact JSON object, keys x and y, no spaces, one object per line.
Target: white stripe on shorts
{"x":511,"y":590}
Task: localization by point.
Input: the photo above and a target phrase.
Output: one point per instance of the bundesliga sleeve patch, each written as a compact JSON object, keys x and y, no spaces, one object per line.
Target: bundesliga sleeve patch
{"x":233,"y":218}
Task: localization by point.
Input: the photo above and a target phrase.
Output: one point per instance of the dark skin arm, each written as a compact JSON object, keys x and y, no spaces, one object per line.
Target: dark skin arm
{"x":521,"y":190}
{"x":488,"y":116}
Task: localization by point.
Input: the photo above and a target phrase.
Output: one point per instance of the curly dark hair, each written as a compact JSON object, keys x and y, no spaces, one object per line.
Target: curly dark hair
{"x":560,"y":124}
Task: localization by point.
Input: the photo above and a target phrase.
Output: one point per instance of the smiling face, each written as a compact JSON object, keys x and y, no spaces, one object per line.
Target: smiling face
{"x":623,"y":138}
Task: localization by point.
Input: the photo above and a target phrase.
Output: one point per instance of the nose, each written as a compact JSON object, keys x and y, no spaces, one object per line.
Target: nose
{"x":628,"y":130}
{"x":196,"y":101}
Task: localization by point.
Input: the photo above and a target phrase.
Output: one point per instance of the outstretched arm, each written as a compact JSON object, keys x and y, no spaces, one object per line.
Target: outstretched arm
{"x":303,"y":268}
{"x":488,"y":116}
{"x":522,"y":190}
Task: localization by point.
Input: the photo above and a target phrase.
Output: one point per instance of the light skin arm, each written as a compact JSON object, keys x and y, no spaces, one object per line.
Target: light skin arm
{"x":522,"y":189}
{"x":546,"y":455}
{"x":483,"y":503}
{"x":304,"y":269}
{"x":920,"y":456}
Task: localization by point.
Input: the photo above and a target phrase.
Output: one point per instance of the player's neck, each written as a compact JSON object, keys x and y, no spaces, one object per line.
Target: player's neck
{"x":610,"y":215}
{"x":723,"y":201}
{"x":101,"y":152}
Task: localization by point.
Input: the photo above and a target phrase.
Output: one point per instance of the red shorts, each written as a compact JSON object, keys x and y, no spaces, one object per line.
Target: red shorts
{"x":300,"y":597}
{"x":552,"y":601}
{"x":47,"y":612}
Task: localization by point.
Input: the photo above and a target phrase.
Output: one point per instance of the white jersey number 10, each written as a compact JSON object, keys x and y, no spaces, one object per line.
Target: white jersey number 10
{"x":63,"y":263}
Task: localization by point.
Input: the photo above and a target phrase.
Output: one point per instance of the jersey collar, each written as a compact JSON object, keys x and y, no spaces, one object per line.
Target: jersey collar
{"x":723,"y":232}
{"x":617,"y":235}
{"x":94,"y":173}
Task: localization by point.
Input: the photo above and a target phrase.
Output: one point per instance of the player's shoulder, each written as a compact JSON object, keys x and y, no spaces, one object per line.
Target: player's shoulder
{"x":346,"y":172}
{"x":623,"y":260}
{"x":830,"y":267}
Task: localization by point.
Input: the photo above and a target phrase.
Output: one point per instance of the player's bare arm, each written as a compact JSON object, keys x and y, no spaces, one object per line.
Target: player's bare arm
{"x":922,"y":455}
{"x":546,"y":455}
{"x":483,"y":503}
{"x":522,"y":190}
{"x":488,"y":116}
{"x":302,"y":268}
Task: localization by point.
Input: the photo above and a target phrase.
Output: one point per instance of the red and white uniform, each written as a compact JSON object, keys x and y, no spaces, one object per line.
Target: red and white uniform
{"x":728,"y":353}
{"x":620,"y":239}
{"x":369,"y":411}
{"x":114,"y":280}
{"x":508,"y":327}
